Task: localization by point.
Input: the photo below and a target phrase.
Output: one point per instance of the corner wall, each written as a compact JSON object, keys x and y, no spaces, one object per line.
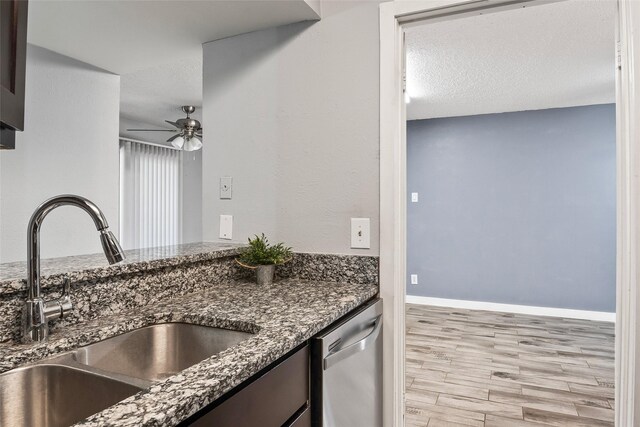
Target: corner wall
{"x":70,"y":145}
{"x":191,"y":196}
{"x":291,"y":113}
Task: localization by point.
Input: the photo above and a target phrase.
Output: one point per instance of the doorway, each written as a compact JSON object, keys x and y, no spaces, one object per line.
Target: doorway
{"x":395,"y":18}
{"x":511,"y":217}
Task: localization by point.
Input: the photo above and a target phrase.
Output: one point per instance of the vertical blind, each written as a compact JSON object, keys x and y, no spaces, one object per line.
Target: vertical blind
{"x":150,"y":196}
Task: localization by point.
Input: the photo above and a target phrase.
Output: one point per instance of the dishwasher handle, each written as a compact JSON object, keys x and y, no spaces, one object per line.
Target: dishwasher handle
{"x":338,"y":355}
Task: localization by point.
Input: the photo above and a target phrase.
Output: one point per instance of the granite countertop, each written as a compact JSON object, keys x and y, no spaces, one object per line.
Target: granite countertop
{"x":282,"y":316}
{"x":94,"y":266}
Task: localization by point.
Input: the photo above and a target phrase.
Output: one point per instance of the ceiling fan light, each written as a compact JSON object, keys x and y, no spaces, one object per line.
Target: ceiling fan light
{"x":192,"y":144}
{"x":178,"y":142}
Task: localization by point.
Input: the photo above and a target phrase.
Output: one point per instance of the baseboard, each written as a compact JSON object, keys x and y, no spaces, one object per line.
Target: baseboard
{"x":512,"y":308}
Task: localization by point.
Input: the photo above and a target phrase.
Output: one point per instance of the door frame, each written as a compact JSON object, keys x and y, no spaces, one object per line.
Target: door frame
{"x":394,"y":17}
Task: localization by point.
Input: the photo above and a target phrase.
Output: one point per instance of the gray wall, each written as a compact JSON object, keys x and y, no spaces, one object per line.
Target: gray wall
{"x":69,"y":145}
{"x":515,"y":208}
{"x":291,"y":113}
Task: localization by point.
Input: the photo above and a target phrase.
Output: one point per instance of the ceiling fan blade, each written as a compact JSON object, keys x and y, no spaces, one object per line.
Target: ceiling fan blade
{"x":173,"y":123}
{"x":152,"y":130}
{"x":173,"y":137}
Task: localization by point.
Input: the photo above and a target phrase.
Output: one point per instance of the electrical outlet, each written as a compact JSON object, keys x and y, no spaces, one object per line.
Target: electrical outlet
{"x":226,"y":186}
{"x":226,"y":227}
{"x":360,"y":233}
{"x":414,"y":197}
{"x":414,"y":279}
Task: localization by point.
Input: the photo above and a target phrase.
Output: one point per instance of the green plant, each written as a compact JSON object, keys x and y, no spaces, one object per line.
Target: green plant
{"x":260,"y":252}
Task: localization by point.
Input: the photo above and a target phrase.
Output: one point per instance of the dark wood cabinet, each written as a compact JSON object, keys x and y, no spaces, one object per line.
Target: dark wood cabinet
{"x":301,"y":419}
{"x":278,"y":396}
{"x":13,"y":57}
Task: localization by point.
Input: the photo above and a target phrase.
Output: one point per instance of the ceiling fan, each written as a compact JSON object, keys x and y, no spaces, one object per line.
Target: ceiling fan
{"x":189,"y":131}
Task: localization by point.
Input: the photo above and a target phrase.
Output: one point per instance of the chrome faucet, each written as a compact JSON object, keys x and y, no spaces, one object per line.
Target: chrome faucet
{"x":38,"y":312}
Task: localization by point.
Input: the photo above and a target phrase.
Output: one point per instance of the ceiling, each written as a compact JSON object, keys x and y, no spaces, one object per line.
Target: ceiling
{"x":552,"y":55}
{"x":127,"y":36}
{"x":155,"y":46}
{"x":148,"y":97}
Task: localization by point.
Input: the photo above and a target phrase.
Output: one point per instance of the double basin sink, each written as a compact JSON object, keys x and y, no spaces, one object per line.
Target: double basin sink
{"x":68,"y":388}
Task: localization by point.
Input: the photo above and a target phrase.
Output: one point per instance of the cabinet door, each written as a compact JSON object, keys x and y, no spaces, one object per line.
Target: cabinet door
{"x":268,"y":401}
{"x":13,"y":56}
{"x":302,"y":420}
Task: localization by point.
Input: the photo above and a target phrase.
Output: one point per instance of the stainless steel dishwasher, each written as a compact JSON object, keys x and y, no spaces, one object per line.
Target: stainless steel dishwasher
{"x":346,"y":371}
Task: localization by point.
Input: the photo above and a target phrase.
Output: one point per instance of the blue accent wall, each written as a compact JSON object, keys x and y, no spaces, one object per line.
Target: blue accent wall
{"x":515,"y":208}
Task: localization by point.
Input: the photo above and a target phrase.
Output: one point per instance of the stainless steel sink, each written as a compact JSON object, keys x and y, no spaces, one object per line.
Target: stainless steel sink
{"x":156,"y":352}
{"x":55,"y":395}
{"x":67,"y":388}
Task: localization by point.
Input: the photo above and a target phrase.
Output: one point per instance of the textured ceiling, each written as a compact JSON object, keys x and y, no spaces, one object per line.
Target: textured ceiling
{"x":150,"y":96}
{"x":156,"y":46}
{"x":126,"y":36}
{"x":553,"y":55}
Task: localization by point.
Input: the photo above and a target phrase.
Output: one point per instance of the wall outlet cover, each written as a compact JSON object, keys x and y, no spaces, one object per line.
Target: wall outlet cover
{"x":226,"y":187}
{"x":360,"y":233}
{"x":414,"y":197}
{"x":226,"y":227}
{"x":414,"y":279}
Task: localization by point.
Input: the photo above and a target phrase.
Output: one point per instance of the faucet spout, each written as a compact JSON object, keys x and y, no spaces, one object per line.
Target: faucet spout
{"x":36,"y":316}
{"x":111,"y":247}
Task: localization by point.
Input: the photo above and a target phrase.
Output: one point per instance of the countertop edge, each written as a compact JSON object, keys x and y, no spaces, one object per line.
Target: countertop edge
{"x":10,"y":286}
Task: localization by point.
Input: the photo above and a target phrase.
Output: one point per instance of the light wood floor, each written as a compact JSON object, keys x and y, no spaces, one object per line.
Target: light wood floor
{"x":482,"y":368}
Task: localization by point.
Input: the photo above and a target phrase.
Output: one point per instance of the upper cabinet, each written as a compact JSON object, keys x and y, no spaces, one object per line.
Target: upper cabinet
{"x":13,"y":56}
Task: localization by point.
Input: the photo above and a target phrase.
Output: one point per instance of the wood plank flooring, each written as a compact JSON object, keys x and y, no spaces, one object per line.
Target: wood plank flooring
{"x":482,"y":368}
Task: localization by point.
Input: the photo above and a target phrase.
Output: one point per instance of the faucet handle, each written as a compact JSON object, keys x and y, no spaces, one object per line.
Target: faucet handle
{"x":56,"y":309}
{"x":65,"y":299}
{"x":66,"y":287}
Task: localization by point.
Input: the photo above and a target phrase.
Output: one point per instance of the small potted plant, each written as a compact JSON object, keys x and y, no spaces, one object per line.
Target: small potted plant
{"x":263,"y":257}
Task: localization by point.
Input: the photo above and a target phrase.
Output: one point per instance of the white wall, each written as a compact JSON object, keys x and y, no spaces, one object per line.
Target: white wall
{"x":291,"y":113}
{"x":70,"y":145}
{"x":316,"y":6}
{"x":191,"y":196}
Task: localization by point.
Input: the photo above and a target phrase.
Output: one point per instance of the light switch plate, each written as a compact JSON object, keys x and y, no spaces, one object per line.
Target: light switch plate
{"x":414,"y":279}
{"x":360,"y":233}
{"x":414,"y":197}
{"x":226,"y":187}
{"x":226,"y":227}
